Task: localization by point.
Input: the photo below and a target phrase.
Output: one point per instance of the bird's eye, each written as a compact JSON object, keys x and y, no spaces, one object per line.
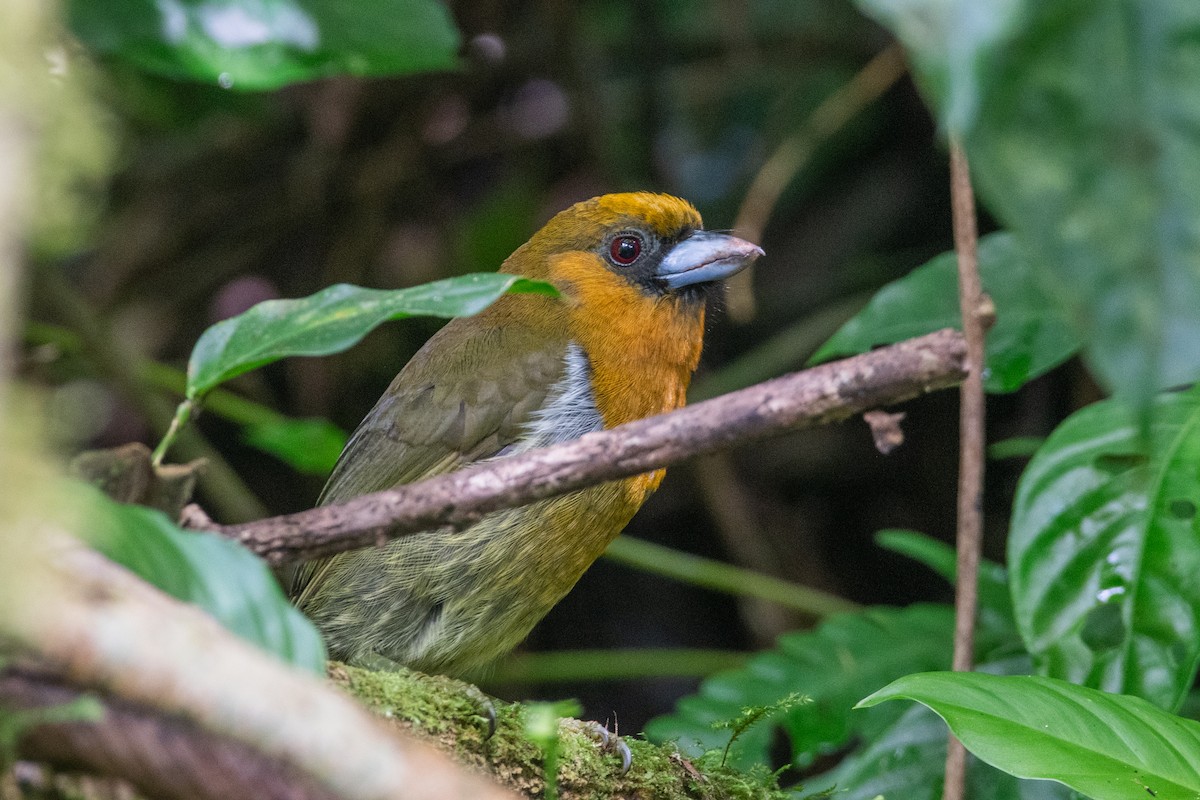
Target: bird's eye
{"x":625,"y":250}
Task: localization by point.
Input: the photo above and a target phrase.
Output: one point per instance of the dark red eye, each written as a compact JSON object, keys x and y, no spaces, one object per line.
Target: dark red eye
{"x":625,"y":250}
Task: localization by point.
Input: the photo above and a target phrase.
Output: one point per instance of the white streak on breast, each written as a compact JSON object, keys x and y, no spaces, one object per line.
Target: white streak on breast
{"x":570,"y":408}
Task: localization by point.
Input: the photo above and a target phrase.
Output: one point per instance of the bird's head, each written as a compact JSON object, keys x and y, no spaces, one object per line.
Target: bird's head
{"x":651,"y":244}
{"x":633,"y":271}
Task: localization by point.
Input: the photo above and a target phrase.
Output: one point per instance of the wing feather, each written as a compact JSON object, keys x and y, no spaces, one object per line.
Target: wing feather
{"x":467,"y":394}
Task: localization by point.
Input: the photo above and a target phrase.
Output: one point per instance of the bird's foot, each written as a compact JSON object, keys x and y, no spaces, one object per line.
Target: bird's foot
{"x":611,"y":743}
{"x":486,"y":710}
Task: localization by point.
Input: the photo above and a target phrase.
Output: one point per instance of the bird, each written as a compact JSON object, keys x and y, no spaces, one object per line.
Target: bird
{"x":620,"y":341}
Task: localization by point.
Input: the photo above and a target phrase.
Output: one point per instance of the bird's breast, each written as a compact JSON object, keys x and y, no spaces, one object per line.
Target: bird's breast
{"x":642,"y":349}
{"x":569,"y":410}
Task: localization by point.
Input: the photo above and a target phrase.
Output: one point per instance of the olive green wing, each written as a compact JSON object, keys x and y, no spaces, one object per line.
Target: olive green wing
{"x":465,"y":396}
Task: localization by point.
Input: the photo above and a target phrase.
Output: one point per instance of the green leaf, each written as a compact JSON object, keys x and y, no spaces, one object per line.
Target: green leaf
{"x":1031,"y":335}
{"x":995,"y":604}
{"x":1016,"y":447}
{"x":1087,"y":148}
{"x":951,"y":44}
{"x":1082,"y":142}
{"x":1104,"y":550}
{"x":310,"y":446}
{"x":837,"y":663}
{"x":1105,"y":746}
{"x":215,"y":573}
{"x":907,"y":760}
{"x":936,"y":555}
{"x":264,"y":44}
{"x":332,"y":320}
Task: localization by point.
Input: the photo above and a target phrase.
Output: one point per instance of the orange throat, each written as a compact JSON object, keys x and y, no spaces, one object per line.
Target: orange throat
{"x":642,"y":349}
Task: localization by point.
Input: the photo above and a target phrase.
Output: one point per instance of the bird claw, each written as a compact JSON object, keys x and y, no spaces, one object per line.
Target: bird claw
{"x":489,"y":713}
{"x":610,"y":741}
{"x":486,"y":710}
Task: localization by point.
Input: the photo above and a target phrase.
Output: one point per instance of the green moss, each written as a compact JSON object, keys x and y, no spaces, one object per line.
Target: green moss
{"x":452,"y":715}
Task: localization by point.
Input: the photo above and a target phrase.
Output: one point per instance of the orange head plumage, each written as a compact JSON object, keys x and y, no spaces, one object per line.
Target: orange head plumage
{"x":619,"y":343}
{"x":634,"y":271}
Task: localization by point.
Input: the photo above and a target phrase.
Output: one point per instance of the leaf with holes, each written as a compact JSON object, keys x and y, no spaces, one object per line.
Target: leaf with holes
{"x":1104,"y":550}
{"x":1031,"y":335}
{"x":334,"y":319}
{"x":1109,"y":747}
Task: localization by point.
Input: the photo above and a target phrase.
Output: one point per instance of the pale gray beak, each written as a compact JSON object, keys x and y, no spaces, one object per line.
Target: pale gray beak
{"x":705,"y":257}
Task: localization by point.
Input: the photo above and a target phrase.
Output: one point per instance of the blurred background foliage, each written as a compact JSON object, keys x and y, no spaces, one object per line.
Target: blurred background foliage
{"x":206,"y":193}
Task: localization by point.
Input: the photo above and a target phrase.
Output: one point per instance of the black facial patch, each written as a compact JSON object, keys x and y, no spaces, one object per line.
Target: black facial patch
{"x":642,"y":273}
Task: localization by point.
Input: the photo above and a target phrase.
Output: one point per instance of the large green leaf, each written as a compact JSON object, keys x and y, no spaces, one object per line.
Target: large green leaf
{"x":1087,"y":147}
{"x":907,"y":760}
{"x":845,"y":658}
{"x":265,"y":44}
{"x":1104,"y":550}
{"x":1082,"y":140}
{"x":332,"y":320}
{"x":215,"y":573}
{"x":1109,"y":747}
{"x":1031,"y":334}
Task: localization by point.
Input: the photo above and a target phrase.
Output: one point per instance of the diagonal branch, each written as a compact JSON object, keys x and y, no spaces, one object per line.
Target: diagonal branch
{"x":167,"y":757}
{"x":823,"y":394}
{"x":191,"y":711}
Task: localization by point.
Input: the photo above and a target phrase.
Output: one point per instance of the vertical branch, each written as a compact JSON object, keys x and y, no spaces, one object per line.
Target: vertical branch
{"x":976,"y":318}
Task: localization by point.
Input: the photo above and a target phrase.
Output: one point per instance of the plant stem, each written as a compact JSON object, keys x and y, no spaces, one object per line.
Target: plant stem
{"x":976,"y":318}
{"x":224,"y":489}
{"x":183,"y":413}
{"x":722,"y":577}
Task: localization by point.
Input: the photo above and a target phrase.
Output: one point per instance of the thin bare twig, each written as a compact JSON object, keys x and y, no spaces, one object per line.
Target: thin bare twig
{"x":876,"y":77}
{"x":820,"y":395}
{"x":976,"y":319}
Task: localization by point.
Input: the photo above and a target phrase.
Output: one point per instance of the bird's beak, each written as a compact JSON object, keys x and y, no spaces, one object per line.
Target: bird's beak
{"x":704,"y":257}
